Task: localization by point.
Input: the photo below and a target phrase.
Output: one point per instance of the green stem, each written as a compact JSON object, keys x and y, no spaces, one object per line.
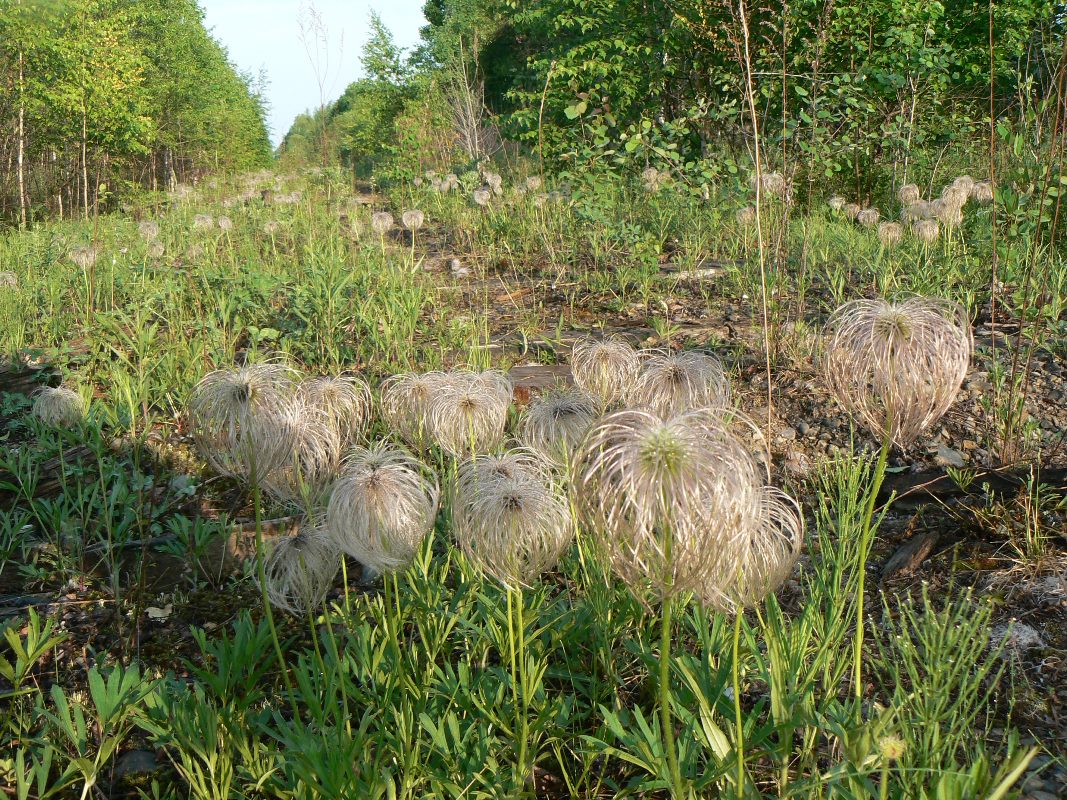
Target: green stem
{"x":865,"y":543}
{"x":738,"y":721}
{"x":665,"y":721}
{"x":261,"y":574}
{"x":524,"y":704}
{"x":883,"y":785}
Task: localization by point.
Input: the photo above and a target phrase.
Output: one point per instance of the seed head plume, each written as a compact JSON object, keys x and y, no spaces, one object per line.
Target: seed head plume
{"x":766,"y":554}
{"x":225,"y":224}
{"x":84,"y":257}
{"x":836,"y":203}
{"x":301,"y":569}
{"x":964,"y":183}
{"x":920,"y":209}
{"x":604,"y":367}
{"x":468,"y":411}
{"x":343,"y":403}
{"x":746,"y":216}
{"x":314,"y":457}
{"x":897,"y":367}
{"x":58,"y":407}
{"x":555,"y":423}
{"x":510,"y":516}
{"x":242,"y":420}
{"x":982,"y":192}
{"x":481,"y":197}
{"x":670,"y":383}
{"x":381,"y":222}
{"x":890,"y":233}
{"x":868,"y":217}
{"x":772,"y":183}
{"x":413,"y":219}
{"x":382,"y":507}
{"x":852,"y":210}
{"x":202,"y":222}
{"x":149,"y":230}
{"x":926,"y":230}
{"x":534,"y":183}
{"x":908,"y":194}
{"x":405,"y":400}
{"x":668,"y":501}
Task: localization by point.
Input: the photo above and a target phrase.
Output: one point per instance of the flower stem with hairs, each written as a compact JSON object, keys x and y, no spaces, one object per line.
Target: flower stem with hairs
{"x":866,"y":533}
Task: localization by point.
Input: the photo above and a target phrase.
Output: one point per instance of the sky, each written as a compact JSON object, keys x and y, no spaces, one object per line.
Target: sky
{"x":265,"y":35}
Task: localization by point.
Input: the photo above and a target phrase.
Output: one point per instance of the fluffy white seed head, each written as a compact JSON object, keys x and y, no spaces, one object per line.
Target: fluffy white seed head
{"x":926,"y":230}
{"x":671,"y":383}
{"x":149,"y":230}
{"x":852,"y":210}
{"x":481,"y":197}
{"x":555,"y":423}
{"x":203,"y":222}
{"x":896,"y":367}
{"x":242,"y":420}
{"x":9,"y":280}
{"x":669,"y":502}
{"x":868,"y":217}
{"x":468,"y":411}
{"x":305,"y":476}
{"x":405,"y":401}
{"x":982,"y":192}
{"x":225,"y":224}
{"x":510,"y":516}
{"x":381,"y":222}
{"x":534,"y":183}
{"x":964,"y":183}
{"x":84,"y":257}
{"x":604,"y":367}
{"x":746,"y":216}
{"x":343,"y":402}
{"x":413,"y":219}
{"x":58,"y":407}
{"x":890,"y":233}
{"x":908,"y":194}
{"x":771,"y":183}
{"x":301,"y":569}
{"x":382,"y":507}
{"x":836,"y":203}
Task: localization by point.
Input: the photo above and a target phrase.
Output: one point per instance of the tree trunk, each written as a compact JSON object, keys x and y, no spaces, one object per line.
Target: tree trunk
{"x":85,"y":162}
{"x":22,"y":145}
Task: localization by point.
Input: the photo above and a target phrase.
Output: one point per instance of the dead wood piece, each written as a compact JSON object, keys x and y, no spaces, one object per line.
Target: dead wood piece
{"x":910,"y":555}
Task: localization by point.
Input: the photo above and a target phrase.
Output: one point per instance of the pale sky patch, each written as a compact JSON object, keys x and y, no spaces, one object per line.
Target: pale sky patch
{"x":265,"y":35}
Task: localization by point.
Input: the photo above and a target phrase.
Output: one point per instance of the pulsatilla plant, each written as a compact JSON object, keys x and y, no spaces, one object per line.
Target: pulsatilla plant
{"x":58,"y":406}
{"x":897,"y":367}
{"x":405,"y":401}
{"x":670,"y":383}
{"x":242,"y":420}
{"x":555,"y":423}
{"x":510,"y":516}
{"x":468,"y":411}
{"x":382,"y":507}
{"x":604,"y":367}
{"x":301,"y":570}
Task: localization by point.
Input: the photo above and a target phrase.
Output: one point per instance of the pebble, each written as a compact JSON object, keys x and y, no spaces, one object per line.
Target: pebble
{"x":787,"y":434}
{"x":803,"y":428}
{"x":947,"y":457}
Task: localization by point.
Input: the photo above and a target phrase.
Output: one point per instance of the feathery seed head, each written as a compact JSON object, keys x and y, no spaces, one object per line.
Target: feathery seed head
{"x":771,"y":183}
{"x":908,"y":194}
{"x":555,"y":423}
{"x":84,"y":257}
{"x":604,"y":367}
{"x":868,"y":217}
{"x":836,"y":203}
{"x":668,"y":501}
{"x":413,"y":219}
{"x":897,"y":367}
{"x":9,"y":280}
{"x":341,"y":402}
{"x":982,"y":192}
{"x":890,"y":233}
{"x":510,"y":516}
{"x":59,"y":406}
{"x":964,"y":183}
{"x":382,"y":507}
{"x":225,"y":224}
{"x":203,"y":222}
{"x":852,"y":210}
{"x":926,"y":230}
{"x":301,"y":569}
{"x":481,"y":197}
{"x":242,"y":420}
{"x":746,"y":216}
{"x":149,"y":230}
{"x":671,"y":383}
{"x":156,"y":250}
{"x":381,"y":222}
{"x":468,"y":411}
{"x":534,"y":183}
{"x":405,"y":402}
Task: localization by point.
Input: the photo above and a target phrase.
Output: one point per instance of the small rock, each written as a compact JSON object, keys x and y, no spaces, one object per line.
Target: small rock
{"x":135,"y":762}
{"x":803,"y":428}
{"x":947,"y":457}
{"x":787,"y":434}
{"x":1017,"y":636}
